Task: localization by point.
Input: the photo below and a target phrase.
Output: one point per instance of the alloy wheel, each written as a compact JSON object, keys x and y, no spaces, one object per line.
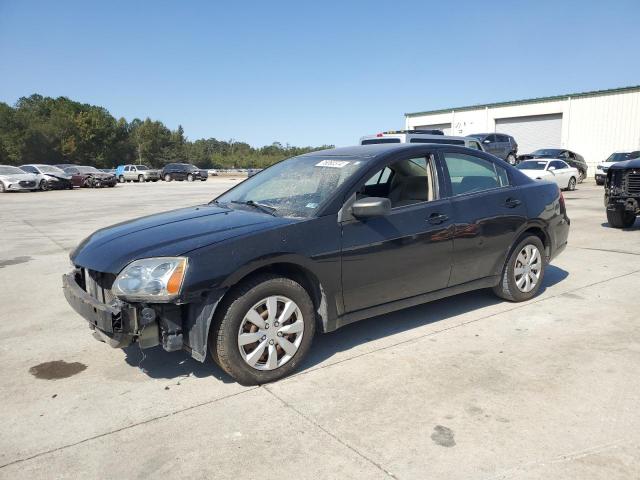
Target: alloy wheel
{"x":270,"y":333}
{"x":528,"y":268}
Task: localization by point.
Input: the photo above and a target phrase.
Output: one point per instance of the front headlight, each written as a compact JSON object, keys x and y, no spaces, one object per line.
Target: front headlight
{"x":599,"y":167}
{"x":151,"y":279}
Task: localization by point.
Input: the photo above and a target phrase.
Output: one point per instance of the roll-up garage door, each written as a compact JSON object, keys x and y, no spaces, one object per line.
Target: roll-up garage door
{"x":445,"y":127}
{"x":533,"y":132}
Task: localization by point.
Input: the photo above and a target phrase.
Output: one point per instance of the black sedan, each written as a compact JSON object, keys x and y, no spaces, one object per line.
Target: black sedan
{"x":183,"y":171}
{"x":316,"y":242}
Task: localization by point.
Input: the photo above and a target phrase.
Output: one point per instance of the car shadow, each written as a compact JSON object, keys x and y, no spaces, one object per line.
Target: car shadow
{"x":375,"y":328}
{"x":158,"y":364}
{"x":632,"y":228}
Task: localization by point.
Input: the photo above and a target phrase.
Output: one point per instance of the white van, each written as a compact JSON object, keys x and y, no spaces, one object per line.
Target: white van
{"x":420,"y":136}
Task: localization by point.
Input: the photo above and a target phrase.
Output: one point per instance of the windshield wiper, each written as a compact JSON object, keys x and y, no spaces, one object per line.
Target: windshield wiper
{"x":258,"y":206}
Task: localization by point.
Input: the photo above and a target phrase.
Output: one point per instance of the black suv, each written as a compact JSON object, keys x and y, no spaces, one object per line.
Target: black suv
{"x":622,"y":193}
{"x":183,"y":171}
{"x":498,"y":144}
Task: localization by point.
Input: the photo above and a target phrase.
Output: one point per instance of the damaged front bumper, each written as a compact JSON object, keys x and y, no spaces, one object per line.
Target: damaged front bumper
{"x":118,"y":324}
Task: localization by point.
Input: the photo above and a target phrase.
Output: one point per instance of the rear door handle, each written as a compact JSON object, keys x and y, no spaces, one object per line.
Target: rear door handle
{"x":512,"y":202}
{"x":437,"y":218}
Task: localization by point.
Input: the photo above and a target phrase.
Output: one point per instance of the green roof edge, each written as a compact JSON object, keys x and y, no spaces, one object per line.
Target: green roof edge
{"x":529,"y":100}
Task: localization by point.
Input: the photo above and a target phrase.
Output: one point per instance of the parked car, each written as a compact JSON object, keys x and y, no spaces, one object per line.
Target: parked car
{"x":557,"y":171}
{"x":498,"y":144}
{"x":213,"y":172}
{"x":63,"y":166}
{"x":419,"y":136}
{"x":572,"y":158}
{"x":136,"y":173}
{"x":252,"y":171}
{"x":84,"y":176}
{"x":183,"y":171}
{"x":622,"y":193}
{"x":49,"y":177}
{"x":15,"y":179}
{"x":316,"y":242}
{"x":603,"y":167}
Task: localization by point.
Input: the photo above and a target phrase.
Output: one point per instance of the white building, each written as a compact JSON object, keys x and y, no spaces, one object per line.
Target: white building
{"x":593,"y":124}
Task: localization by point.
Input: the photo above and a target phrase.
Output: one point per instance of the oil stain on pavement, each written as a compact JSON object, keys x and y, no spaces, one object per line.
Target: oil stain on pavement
{"x":14,"y":261}
{"x":443,"y":436}
{"x":56,"y":370}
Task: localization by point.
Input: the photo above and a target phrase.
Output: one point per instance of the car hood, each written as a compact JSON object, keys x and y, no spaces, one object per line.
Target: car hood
{"x":536,"y":173}
{"x":97,"y":175}
{"x":633,"y":163}
{"x":59,"y":176}
{"x":19,"y":177}
{"x":172,"y":233}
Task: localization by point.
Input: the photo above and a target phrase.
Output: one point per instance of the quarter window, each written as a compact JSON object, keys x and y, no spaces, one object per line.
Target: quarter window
{"x":470,"y":174}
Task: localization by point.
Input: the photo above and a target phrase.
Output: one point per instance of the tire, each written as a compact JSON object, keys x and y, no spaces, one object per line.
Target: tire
{"x":121,"y":179}
{"x":250,"y":296}
{"x":511,"y":159}
{"x":44,"y":185}
{"x":509,"y":288}
{"x":572,"y":184}
{"x":190,"y":178}
{"x":600,"y":182}
{"x":140,"y":178}
{"x":3,"y":189}
{"x":167,"y":178}
{"x":619,"y":218}
{"x":581,"y":176}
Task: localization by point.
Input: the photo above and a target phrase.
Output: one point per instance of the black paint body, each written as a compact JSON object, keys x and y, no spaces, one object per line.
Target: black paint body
{"x":353,"y":268}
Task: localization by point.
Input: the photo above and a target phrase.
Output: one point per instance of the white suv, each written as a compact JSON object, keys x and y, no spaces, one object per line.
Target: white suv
{"x":420,"y":136}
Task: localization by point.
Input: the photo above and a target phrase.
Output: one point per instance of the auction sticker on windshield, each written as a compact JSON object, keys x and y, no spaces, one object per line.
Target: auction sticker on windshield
{"x":332,"y":163}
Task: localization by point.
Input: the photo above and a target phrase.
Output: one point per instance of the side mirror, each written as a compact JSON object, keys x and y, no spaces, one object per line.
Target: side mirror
{"x":371,"y":207}
{"x":486,"y":141}
{"x":551,"y":169}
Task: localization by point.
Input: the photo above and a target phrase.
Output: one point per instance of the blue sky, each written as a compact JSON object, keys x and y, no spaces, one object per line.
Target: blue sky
{"x":310,"y":73}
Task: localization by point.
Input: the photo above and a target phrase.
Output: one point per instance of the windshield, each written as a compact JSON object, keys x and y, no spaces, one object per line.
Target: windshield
{"x":296,"y":187}
{"x":619,"y":157}
{"x":50,"y":169}
{"x":532,"y":165}
{"x":11,"y":171}
{"x":88,"y":170}
{"x":547,"y":152}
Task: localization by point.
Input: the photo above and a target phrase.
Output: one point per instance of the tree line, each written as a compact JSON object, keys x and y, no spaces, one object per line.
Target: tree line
{"x":49,"y":130}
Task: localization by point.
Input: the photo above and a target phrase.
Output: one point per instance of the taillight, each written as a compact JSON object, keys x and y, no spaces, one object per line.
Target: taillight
{"x":563,"y":208}
{"x":379,"y":134}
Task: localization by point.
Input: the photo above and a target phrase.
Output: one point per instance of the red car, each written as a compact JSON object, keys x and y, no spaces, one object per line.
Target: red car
{"x":91,"y":177}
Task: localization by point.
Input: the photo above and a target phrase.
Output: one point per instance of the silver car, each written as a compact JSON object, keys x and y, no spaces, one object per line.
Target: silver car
{"x":137,"y":173}
{"x":14,"y":179}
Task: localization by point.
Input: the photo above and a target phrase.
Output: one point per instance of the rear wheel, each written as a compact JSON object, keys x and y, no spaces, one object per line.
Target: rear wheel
{"x":572,"y":184}
{"x":524,"y":271}
{"x":44,"y":186}
{"x":620,"y":218}
{"x":581,"y":176}
{"x":190,"y":178}
{"x":141,"y":178}
{"x":167,"y":178}
{"x":264,"y":329}
{"x":121,"y":179}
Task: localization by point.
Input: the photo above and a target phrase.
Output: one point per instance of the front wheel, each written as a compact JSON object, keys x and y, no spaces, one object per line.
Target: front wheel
{"x":572,"y":184}
{"x":620,"y":218}
{"x":44,"y":186}
{"x":263,"y":330}
{"x":121,"y":179}
{"x":167,"y":178}
{"x":140,"y":178}
{"x":190,"y":178}
{"x":581,"y":176}
{"x":524,"y":271}
{"x":511,"y":158}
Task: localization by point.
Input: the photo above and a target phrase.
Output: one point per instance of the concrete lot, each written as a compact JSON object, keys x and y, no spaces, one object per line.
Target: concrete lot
{"x":466,"y":387}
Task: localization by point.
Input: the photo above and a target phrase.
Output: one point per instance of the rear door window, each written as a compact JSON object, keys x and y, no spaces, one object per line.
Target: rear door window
{"x":469,"y":174}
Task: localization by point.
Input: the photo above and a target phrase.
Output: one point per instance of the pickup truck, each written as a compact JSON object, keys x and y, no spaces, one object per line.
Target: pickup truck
{"x":136,"y":173}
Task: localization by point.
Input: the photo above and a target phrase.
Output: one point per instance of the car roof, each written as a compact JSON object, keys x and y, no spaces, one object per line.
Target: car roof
{"x":375,"y":150}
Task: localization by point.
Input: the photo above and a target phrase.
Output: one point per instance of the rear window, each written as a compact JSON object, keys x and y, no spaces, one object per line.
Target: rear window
{"x":372,"y":141}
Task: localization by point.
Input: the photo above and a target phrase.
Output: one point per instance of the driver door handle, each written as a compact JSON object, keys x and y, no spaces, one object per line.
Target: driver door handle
{"x":437,"y":218}
{"x":512,"y":202}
